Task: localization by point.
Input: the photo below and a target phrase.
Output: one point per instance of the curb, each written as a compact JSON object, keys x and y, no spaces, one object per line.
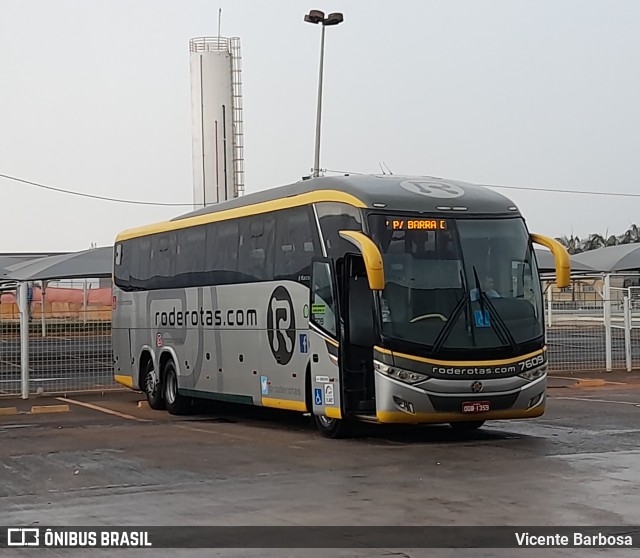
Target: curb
{"x":590,"y":382}
{"x":5,"y":411}
{"x":41,"y":409}
{"x":144,"y":404}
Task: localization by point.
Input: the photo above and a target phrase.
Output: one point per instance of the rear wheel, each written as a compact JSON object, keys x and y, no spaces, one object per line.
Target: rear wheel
{"x":333,"y":428}
{"x":152,"y":387}
{"x":176,"y":404}
{"x":467,"y":426}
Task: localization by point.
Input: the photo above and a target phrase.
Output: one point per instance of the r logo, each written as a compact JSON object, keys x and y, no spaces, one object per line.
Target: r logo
{"x":433,"y":188}
{"x":281,"y":325}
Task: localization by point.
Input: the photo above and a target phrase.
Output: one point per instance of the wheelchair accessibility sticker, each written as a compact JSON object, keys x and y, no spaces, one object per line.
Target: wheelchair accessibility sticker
{"x":264,"y":385}
{"x":482,"y":318}
{"x":317,"y":396}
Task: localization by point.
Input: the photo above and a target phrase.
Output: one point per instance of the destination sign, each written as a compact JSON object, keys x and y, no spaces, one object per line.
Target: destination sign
{"x":417,"y":224}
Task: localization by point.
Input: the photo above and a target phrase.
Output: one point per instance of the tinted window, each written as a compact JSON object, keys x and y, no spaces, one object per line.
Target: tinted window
{"x":296,"y":244}
{"x":241,"y":250}
{"x":255,"y":253}
{"x":336,"y":217}
{"x":122,"y":261}
{"x":163,"y":257}
{"x":324,"y":306}
{"x":222,"y":250}
{"x":190,"y":250}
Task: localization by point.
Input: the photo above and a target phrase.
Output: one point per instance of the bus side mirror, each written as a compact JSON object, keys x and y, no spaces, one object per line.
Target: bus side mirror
{"x":560,"y":255}
{"x":371,"y":255}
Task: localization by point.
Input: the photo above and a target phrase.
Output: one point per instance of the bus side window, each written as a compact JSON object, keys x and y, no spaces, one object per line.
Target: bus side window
{"x":221,"y":258}
{"x":295,"y":245}
{"x":333,"y":218}
{"x":142,"y":266}
{"x":163,"y":255}
{"x":255,"y":259}
{"x":122,"y":268}
{"x":189,"y":256}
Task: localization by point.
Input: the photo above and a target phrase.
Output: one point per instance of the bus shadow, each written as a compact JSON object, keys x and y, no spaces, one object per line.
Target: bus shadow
{"x":391,"y":434}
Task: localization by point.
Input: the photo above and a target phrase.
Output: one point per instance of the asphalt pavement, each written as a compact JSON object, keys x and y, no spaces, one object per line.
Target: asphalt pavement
{"x":69,"y":363}
{"x":109,"y":462}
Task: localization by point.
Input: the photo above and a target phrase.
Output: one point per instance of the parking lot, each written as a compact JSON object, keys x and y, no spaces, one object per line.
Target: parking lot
{"x":109,"y":462}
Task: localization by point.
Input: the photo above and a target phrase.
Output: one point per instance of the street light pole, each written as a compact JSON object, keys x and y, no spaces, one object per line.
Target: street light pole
{"x":316,"y":163}
{"x":316,"y":16}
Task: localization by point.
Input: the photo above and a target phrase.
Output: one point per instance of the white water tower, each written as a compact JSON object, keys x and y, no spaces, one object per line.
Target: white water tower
{"x":217,"y":126}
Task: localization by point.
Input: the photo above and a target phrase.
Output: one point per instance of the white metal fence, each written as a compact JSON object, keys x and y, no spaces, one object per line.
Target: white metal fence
{"x":598,"y":329}
{"x":69,"y":347}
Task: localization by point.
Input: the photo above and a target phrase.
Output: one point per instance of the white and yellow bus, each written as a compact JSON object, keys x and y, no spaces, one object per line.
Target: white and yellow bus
{"x":381,"y":298}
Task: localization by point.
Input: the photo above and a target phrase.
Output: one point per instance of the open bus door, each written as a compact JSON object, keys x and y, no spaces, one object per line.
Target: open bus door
{"x":343,"y":336}
{"x":325,"y":338}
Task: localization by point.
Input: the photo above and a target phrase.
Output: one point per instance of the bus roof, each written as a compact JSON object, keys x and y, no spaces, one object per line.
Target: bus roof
{"x":399,"y":193}
{"x":385,"y":192}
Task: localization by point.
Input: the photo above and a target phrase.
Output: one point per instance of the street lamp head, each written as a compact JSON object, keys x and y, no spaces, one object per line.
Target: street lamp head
{"x":333,"y":19}
{"x":314,"y":16}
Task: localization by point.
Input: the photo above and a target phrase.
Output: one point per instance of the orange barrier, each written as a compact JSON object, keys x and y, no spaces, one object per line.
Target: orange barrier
{"x":61,"y":304}
{"x":100,"y":296}
{"x":58,"y":311}
{"x":9,"y":311}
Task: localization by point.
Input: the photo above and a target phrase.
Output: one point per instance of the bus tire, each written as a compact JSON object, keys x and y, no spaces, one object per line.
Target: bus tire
{"x":153,"y":387}
{"x":466,"y":426}
{"x":176,"y":404}
{"x":333,"y":428}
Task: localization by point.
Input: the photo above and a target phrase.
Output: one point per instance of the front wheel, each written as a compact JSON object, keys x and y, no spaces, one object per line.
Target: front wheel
{"x":152,"y":387}
{"x":466,"y":426}
{"x":333,"y":428}
{"x":176,"y":404}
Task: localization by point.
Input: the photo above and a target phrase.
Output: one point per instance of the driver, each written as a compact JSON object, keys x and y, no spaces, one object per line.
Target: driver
{"x":488,"y":288}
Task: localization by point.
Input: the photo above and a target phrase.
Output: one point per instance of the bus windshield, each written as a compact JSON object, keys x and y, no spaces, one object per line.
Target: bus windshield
{"x":458,"y":284}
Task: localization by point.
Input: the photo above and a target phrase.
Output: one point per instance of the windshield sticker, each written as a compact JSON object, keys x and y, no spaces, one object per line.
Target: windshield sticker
{"x":318,"y":309}
{"x":482,"y":318}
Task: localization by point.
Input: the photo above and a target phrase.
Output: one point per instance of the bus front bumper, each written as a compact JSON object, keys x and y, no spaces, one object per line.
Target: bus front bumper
{"x":434,"y":401}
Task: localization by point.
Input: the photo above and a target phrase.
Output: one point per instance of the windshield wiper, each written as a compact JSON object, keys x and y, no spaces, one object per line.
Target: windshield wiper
{"x":463,"y":304}
{"x":501,"y":328}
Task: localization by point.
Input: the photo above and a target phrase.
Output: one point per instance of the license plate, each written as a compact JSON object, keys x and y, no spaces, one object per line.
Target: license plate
{"x":476,"y":406}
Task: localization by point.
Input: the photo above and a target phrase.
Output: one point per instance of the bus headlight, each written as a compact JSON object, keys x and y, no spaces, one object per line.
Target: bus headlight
{"x":533,"y":374}
{"x":398,"y":373}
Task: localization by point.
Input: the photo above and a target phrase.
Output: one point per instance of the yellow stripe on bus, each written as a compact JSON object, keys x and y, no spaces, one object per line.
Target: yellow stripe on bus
{"x":284,"y":404}
{"x":244,"y":211}
{"x":461,"y":362}
{"x":124,"y":380}
{"x":332,"y":412}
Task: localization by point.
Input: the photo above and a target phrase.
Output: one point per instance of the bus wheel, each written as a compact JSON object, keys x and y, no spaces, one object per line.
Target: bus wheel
{"x":176,"y":404}
{"x":333,"y":428}
{"x":152,"y":387}
{"x":467,"y":426}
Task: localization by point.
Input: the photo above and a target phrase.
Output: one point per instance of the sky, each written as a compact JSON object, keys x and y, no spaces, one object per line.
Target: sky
{"x":95,"y":98}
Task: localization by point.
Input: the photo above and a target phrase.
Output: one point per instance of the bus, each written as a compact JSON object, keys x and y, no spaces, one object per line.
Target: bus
{"x":391,"y":299}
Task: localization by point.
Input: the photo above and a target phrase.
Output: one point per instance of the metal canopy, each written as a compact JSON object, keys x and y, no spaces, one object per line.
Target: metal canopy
{"x":93,"y":263}
{"x":10,"y":260}
{"x":624,"y":257}
{"x":546,"y":263}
